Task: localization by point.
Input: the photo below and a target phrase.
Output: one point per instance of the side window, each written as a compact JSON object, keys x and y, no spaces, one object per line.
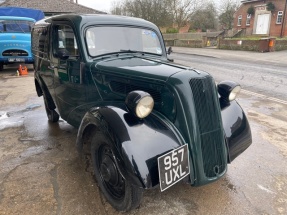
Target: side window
{"x":40,"y":40}
{"x":66,"y":40}
{"x":248,"y":18}
{"x":90,"y":39}
{"x":43,"y":40}
{"x":279,"y":17}
{"x":35,"y":39}
{"x":239,"y":20}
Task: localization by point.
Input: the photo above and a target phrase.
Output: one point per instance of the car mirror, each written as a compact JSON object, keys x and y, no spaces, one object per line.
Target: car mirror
{"x":170,"y":59}
{"x":169,"y":50}
{"x":63,"y":54}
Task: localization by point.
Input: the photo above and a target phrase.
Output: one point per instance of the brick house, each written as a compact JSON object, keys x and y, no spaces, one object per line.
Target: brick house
{"x":263,"y":21}
{"x":50,"y":7}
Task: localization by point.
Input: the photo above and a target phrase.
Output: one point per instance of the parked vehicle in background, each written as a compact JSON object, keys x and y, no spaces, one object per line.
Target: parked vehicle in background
{"x":15,"y":34}
{"x":143,"y":121}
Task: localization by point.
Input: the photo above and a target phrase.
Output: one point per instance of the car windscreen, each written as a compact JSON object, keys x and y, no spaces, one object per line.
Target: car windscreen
{"x":111,"y":39}
{"x":15,"y":26}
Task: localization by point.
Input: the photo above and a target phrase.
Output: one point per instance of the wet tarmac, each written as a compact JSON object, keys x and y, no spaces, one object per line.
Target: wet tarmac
{"x":41,"y":173}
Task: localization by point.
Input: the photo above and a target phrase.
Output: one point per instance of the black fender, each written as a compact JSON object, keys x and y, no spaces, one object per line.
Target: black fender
{"x":38,"y":84}
{"x":137,"y":143}
{"x":42,"y":89}
{"x":236,"y":127}
{"x":38,"y":88}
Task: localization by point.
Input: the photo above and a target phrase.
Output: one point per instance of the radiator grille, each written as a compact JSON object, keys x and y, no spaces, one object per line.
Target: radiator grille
{"x":212,"y":153}
{"x":205,"y":105}
{"x":209,"y":125}
{"x":14,"y":52}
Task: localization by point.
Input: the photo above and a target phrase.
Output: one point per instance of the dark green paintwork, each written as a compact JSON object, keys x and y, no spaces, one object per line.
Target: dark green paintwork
{"x":83,"y":82}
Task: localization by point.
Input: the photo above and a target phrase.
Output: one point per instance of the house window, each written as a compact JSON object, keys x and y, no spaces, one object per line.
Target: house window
{"x":248,"y":18}
{"x":279,"y":17}
{"x":239,"y":20}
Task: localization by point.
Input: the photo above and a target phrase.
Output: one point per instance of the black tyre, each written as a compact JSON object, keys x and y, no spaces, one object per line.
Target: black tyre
{"x":118,"y":190}
{"x":1,"y":66}
{"x":52,"y":115}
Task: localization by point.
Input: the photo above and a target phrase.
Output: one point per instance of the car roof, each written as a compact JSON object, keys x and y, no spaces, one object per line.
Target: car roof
{"x":99,"y":19}
{"x":17,"y":18}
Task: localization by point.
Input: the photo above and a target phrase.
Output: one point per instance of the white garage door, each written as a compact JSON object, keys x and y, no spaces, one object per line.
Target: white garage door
{"x":263,"y":23}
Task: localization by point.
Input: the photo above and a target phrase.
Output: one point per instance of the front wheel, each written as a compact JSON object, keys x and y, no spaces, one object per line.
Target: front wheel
{"x":1,"y":66}
{"x":117,"y":189}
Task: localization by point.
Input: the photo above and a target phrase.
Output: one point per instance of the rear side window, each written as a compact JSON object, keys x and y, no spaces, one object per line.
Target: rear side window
{"x":35,"y":39}
{"x":40,"y":39}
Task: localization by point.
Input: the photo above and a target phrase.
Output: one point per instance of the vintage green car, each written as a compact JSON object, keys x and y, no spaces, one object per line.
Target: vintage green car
{"x":143,"y":121}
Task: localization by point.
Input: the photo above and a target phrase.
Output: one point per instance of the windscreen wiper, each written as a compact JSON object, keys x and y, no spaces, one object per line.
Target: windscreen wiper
{"x":140,"y":52}
{"x":132,"y":51}
{"x":106,"y":55}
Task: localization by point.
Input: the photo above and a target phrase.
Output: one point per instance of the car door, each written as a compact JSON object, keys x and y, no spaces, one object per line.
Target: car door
{"x":41,"y":48}
{"x":66,"y":60}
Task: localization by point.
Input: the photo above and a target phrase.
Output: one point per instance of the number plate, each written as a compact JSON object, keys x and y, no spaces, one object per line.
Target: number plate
{"x":16,"y":59}
{"x":173,"y":167}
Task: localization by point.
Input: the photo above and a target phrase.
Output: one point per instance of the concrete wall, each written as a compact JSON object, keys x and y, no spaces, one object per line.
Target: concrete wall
{"x":195,"y":40}
{"x":280,"y":45}
{"x":253,"y":45}
{"x":185,"y":43}
{"x":189,"y":43}
{"x":247,"y":45}
{"x":205,"y":39}
{"x":183,"y":36}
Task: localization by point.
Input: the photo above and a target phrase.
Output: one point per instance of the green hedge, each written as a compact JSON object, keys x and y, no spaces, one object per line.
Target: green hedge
{"x":171,"y":30}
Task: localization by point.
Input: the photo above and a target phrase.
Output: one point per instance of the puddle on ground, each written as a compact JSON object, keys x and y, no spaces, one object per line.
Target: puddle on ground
{"x":14,"y":118}
{"x":11,"y":122}
{"x":3,"y":115}
{"x":28,"y":108}
{"x":32,"y":106}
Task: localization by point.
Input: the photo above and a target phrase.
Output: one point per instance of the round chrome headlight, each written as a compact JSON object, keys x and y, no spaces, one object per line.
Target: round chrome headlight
{"x":228,"y":90}
{"x":233,"y":94}
{"x":139,"y":103}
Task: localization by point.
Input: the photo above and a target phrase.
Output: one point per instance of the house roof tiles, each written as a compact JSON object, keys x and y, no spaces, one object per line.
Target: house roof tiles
{"x":54,"y":6}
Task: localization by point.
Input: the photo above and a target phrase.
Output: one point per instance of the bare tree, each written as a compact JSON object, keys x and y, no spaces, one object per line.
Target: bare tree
{"x":161,"y":12}
{"x":227,"y":9}
{"x":117,"y":8}
{"x":204,"y":18}
{"x":152,"y":10}
{"x":182,"y":10}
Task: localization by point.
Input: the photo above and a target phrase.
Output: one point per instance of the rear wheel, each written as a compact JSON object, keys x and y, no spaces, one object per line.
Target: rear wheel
{"x":52,"y":115}
{"x":1,"y":66}
{"x":117,"y":189}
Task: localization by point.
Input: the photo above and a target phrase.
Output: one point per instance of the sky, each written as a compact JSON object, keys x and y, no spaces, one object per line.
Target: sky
{"x":102,"y":5}
{"x":105,"y":5}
